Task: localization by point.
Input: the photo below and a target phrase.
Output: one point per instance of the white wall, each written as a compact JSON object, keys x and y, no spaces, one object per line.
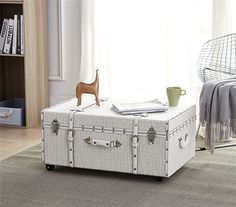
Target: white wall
{"x":70,"y":26}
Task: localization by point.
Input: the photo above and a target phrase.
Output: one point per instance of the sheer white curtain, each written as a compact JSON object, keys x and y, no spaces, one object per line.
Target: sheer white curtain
{"x":141,"y":47}
{"x":88,"y":61}
{"x":224,"y":17}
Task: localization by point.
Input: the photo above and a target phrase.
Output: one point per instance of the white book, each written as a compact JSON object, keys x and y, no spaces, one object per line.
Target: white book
{"x":139,"y":108}
{"x":22,"y":34}
{"x":3,"y":34}
{"x":8,"y":40}
{"x":14,"y":42}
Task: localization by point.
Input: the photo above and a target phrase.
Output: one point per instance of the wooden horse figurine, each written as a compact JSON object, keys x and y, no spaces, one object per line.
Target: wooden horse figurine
{"x":92,"y":88}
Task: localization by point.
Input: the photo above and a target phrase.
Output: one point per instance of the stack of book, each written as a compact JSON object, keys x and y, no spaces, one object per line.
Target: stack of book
{"x":12,"y":36}
{"x":152,"y":106}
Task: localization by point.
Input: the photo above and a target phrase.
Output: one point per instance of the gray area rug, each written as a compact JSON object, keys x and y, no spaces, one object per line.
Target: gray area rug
{"x":207,"y":180}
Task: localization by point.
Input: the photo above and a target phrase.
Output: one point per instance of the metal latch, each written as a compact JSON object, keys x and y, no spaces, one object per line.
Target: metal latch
{"x":151,"y":135}
{"x":55,"y":126}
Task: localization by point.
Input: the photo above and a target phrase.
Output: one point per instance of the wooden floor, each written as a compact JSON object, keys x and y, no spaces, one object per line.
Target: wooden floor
{"x":14,"y":140}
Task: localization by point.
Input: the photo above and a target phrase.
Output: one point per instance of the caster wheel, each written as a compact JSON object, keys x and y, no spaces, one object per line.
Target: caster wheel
{"x":158,"y":178}
{"x":50,"y":167}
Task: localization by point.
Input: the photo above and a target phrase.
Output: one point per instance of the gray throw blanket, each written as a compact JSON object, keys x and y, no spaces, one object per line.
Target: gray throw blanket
{"x":218,"y":110}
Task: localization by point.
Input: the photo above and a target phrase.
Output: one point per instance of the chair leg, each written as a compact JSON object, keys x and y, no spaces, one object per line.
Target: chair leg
{"x":196,"y":136}
{"x":216,"y":147}
{"x":198,"y":128}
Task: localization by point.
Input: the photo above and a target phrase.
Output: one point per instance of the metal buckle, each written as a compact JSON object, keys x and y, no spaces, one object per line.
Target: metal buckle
{"x":151,"y":135}
{"x":55,"y":126}
{"x":135,"y":136}
{"x":71,"y":130}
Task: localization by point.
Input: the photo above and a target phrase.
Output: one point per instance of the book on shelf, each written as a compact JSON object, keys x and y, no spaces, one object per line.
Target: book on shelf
{"x":8,"y":39}
{"x":22,"y":35}
{"x":3,"y":34}
{"x":14,"y":35}
{"x":18,"y":42}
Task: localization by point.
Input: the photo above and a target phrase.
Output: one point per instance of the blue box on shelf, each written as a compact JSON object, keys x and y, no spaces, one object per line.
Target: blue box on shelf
{"x":12,"y":112}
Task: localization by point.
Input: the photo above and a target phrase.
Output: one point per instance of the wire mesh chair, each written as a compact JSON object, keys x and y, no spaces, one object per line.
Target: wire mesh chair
{"x":217,"y":58}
